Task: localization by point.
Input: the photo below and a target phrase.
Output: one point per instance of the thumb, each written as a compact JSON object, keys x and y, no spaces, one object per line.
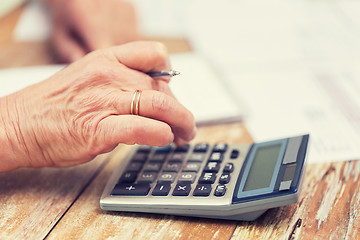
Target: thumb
{"x":131,"y":129}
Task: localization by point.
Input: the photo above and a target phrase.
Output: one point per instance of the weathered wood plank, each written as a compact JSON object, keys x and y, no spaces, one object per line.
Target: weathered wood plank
{"x":86,"y":220}
{"x":33,"y":200}
{"x":328,"y":208}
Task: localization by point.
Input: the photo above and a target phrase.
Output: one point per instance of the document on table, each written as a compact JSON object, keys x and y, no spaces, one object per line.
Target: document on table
{"x":197,"y":87}
{"x":295,"y":65}
{"x":325,"y":102}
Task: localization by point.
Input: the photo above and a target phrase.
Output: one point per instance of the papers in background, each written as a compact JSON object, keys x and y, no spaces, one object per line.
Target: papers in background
{"x":201,"y":90}
{"x":294,"y":67}
{"x":323,"y":101}
{"x":273,"y":56}
{"x":15,"y":79}
{"x":195,"y":87}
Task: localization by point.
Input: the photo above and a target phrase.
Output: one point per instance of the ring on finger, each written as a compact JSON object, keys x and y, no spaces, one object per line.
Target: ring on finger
{"x":135,"y":103}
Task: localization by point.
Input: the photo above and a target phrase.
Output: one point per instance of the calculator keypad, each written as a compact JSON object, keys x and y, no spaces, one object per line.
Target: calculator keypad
{"x":200,"y":171}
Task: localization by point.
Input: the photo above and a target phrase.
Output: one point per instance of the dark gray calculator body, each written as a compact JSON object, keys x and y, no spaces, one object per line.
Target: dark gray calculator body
{"x":227,"y":181}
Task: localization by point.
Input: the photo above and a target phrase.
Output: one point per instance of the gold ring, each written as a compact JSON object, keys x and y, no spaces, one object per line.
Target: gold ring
{"x":135,"y":103}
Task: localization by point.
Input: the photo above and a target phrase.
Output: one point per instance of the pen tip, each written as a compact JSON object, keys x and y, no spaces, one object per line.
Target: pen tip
{"x":176,"y":72}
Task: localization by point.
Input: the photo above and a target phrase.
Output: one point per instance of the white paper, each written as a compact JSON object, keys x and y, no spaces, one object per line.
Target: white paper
{"x":201,"y":90}
{"x":323,"y":101}
{"x":197,"y":87}
{"x":276,"y":55}
{"x":15,"y":79}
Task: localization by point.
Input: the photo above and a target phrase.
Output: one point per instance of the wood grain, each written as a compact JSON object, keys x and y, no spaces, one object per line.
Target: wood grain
{"x":33,"y":200}
{"x":328,"y":208}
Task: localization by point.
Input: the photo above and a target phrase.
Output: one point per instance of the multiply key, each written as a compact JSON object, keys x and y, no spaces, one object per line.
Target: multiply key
{"x":182,"y":189}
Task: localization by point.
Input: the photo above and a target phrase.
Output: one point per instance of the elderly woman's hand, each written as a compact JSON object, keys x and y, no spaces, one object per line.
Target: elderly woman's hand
{"x":81,"y":26}
{"x":84,"y":110}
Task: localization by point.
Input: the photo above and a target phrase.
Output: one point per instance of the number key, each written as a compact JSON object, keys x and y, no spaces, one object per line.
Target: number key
{"x":187,"y":177}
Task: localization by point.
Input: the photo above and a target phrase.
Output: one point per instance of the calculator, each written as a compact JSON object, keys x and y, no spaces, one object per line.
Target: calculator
{"x":224,"y":181}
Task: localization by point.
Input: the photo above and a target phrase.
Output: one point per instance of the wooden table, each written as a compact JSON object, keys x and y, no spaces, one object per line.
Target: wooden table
{"x":64,"y":203}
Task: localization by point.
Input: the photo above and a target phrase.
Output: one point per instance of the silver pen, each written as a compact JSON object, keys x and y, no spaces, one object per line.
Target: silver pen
{"x":170,"y":73}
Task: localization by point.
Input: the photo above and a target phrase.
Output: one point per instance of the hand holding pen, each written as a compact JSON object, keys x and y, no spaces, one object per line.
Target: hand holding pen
{"x":91,"y":106}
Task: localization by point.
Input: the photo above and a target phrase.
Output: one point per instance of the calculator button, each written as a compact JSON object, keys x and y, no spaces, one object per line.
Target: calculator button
{"x":229,"y":167}
{"x":180,"y":156}
{"x":212,"y":167}
{"x":183,"y":148}
{"x":128,"y":177}
{"x":216,"y":157}
{"x":158,"y":157}
{"x":144,"y":149}
{"x":203,"y":190}
{"x":134,"y":167}
{"x":139,"y":157}
{"x":167,"y":177}
{"x":152,"y":166}
{"x":141,"y":189}
{"x":165,"y":149}
{"x":234,"y":154}
{"x":187,"y":177}
{"x":147,"y":177}
{"x":197,"y":157}
{"x":201,"y":147}
{"x":220,"y":191}
{"x":220,"y":147}
{"x":224,"y":178}
{"x":285,"y":185}
{"x":192,"y":167}
{"x":182,"y":189}
{"x":161,"y":189}
{"x":207,"y":177}
{"x":173,"y":166}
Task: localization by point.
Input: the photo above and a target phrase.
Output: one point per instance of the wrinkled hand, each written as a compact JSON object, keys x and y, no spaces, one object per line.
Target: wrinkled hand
{"x":81,"y":26}
{"x":84,"y":110}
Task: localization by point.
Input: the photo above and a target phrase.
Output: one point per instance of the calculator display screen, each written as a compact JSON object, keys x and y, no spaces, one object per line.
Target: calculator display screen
{"x":262,"y":168}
